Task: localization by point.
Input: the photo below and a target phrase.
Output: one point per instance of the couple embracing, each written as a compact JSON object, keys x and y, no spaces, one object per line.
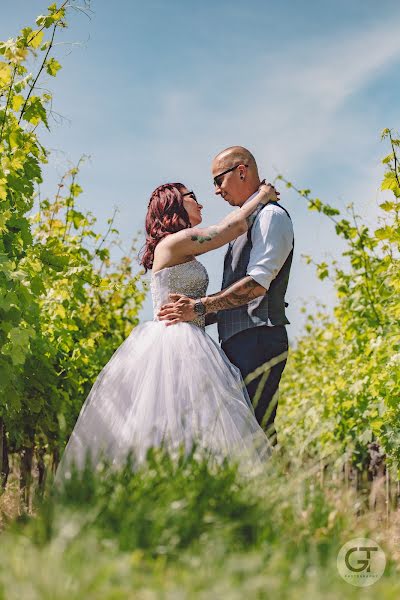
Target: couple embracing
{"x":169,"y":383}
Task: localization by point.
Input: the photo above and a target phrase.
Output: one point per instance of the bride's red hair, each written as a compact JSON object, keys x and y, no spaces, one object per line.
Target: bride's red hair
{"x":166,"y":214}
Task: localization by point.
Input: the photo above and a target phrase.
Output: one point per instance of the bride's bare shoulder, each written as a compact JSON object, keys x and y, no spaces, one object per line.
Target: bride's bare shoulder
{"x":166,"y":254}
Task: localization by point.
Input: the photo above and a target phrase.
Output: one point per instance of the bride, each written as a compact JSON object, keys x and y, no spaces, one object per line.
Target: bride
{"x":172,"y":386}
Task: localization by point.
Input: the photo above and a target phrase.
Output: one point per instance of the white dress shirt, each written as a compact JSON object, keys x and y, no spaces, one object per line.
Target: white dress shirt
{"x":272,"y":241}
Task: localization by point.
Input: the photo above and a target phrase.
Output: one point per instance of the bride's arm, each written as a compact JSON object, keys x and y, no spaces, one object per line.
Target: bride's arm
{"x":195,"y":241}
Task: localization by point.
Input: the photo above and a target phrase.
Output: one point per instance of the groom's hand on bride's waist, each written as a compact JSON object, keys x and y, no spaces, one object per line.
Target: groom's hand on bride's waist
{"x":180,"y":309}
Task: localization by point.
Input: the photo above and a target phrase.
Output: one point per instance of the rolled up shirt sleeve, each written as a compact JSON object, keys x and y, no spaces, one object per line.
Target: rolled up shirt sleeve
{"x":272,"y":241}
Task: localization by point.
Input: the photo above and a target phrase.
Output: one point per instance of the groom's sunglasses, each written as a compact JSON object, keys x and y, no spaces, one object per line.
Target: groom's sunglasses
{"x":218,"y":178}
{"x":191,"y":195}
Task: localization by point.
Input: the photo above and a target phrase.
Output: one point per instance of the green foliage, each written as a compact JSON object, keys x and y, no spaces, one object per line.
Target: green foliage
{"x":341,"y":389}
{"x":64,"y":306}
{"x":20,"y":172}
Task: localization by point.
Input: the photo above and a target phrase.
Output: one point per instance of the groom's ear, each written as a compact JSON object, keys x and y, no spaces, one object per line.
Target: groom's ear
{"x":242,"y":172}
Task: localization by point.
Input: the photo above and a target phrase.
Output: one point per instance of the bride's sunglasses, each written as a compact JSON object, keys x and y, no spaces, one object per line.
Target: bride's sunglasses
{"x":191,"y":195}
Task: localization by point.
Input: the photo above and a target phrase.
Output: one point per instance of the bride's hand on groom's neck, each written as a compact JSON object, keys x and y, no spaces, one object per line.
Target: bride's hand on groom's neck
{"x":269,"y":192}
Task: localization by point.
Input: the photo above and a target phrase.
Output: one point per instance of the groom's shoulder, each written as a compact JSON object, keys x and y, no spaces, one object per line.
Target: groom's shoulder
{"x":274,"y":210}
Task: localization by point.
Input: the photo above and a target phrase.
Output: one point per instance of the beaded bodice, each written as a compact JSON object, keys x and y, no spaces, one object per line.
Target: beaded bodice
{"x":190,"y":279}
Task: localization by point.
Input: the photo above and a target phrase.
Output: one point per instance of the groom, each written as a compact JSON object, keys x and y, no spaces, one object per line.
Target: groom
{"x":250,"y":309}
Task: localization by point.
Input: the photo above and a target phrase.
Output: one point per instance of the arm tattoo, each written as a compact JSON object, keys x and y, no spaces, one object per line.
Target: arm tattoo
{"x":238,"y":294}
{"x":209,"y":234}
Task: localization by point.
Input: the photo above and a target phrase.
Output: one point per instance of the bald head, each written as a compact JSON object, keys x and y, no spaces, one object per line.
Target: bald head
{"x":239,"y":184}
{"x":237,"y":154}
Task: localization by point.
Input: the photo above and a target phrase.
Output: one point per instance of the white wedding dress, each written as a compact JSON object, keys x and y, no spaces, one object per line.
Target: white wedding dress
{"x":167,"y":385}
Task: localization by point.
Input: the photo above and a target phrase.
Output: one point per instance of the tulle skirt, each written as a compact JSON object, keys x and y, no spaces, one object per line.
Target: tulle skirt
{"x":166,"y":386}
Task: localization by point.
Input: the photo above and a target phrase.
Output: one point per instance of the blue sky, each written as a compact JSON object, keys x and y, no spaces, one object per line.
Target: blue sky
{"x":152,"y":91}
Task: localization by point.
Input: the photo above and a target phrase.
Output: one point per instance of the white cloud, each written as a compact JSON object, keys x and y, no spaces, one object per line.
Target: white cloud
{"x":293,"y":106}
{"x":287,"y":117}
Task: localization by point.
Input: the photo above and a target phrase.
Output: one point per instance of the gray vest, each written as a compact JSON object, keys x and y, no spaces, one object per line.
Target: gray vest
{"x":270,"y":307}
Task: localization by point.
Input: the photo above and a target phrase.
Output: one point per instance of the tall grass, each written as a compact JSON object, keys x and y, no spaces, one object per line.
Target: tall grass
{"x":183,"y":528}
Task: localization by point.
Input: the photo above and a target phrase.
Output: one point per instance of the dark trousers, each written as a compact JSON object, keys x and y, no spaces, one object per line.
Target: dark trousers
{"x":249,"y":350}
